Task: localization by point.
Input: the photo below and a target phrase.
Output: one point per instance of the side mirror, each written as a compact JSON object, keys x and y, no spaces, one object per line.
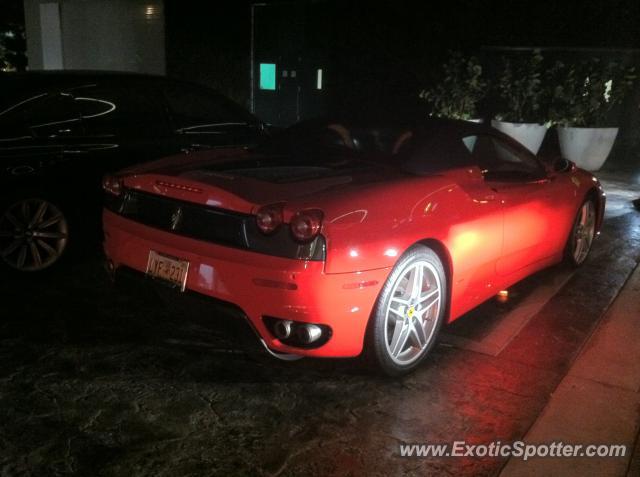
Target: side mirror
{"x":561,"y":164}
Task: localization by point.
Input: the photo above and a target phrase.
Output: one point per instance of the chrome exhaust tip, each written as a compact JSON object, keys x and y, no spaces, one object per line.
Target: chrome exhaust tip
{"x":282,"y":329}
{"x":297,"y":334}
{"x":308,"y":333}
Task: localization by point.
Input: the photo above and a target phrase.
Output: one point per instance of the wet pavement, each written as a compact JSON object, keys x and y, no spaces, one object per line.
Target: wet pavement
{"x":98,"y":382}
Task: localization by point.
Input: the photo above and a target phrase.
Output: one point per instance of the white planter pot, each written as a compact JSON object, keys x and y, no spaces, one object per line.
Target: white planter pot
{"x":530,"y":135}
{"x":587,"y":147}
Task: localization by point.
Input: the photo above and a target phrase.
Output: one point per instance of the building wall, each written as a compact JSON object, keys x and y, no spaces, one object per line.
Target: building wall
{"x":282,"y":39}
{"x":121,"y":35}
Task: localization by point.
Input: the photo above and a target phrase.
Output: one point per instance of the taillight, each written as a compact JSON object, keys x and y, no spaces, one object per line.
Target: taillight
{"x":112,"y":185}
{"x":269,"y":218}
{"x":305,"y":225}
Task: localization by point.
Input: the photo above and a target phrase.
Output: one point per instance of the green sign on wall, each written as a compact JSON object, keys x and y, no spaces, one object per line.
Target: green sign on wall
{"x":268,"y":76}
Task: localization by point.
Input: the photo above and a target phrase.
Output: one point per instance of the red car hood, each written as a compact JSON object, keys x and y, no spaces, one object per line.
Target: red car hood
{"x":241,"y":181}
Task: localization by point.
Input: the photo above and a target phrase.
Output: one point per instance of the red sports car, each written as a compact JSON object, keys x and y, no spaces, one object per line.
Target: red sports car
{"x":339,"y":236}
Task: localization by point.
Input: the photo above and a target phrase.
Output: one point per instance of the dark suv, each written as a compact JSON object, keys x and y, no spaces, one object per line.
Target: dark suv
{"x":60,"y":132}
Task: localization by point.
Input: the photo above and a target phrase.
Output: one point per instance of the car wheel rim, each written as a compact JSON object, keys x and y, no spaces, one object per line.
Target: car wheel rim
{"x":584,"y":232}
{"x":412,"y":313}
{"x":33,"y":235}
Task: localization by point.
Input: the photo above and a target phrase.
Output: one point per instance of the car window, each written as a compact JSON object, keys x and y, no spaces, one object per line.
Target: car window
{"x":430,"y":152}
{"x":198,"y":110}
{"x":121,"y":110}
{"x":13,"y":125}
{"x":499,"y":159}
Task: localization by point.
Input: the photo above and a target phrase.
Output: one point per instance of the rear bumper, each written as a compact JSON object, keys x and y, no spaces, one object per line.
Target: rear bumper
{"x":249,"y":280}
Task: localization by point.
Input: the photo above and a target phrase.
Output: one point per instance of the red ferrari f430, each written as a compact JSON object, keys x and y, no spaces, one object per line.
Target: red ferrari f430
{"x":336,"y":236}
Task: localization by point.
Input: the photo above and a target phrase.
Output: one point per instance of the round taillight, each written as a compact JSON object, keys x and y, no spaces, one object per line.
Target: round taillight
{"x":306,"y":224}
{"x":269,"y":218}
{"x":112,"y":185}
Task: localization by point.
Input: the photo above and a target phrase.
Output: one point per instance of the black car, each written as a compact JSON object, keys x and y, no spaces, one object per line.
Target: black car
{"x":60,"y":132}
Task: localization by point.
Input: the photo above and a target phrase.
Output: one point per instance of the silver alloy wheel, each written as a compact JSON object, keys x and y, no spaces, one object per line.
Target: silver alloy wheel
{"x":33,"y":235}
{"x":585,"y":230}
{"x":412,"y":312}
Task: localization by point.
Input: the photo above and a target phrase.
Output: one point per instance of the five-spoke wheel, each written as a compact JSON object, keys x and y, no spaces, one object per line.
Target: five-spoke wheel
{"x":409,"y":311}
{"x":33,"y":235}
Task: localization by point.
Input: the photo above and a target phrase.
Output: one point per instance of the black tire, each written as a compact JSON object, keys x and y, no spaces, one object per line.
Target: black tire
{"x":408,"y":354}
{"x":582,"y":234}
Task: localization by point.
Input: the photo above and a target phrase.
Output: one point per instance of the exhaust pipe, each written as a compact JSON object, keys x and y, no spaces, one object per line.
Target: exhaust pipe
{"x":307,"y":334}
{"x":282,"y":329}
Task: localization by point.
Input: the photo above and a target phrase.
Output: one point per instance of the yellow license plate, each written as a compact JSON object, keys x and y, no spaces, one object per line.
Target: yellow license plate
{"x":169,"y":269}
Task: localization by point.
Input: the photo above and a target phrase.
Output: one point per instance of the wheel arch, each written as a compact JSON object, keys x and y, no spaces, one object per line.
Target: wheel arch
{"x":594,"y":193}
{"x":445,"y":257}
{"x":443,"y":254}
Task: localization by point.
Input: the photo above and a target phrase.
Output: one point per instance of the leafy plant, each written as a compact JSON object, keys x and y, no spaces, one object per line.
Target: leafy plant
{"x":587,"y":92}
{"x":12,"y":48}
{"x":521,"y":89}
{"x":461,"y":89}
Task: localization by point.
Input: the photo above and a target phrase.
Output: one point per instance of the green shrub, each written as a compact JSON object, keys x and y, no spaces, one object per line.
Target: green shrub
{"x":585,"y":93}
{"x":524,"y":96}
{"x":461,"y":89}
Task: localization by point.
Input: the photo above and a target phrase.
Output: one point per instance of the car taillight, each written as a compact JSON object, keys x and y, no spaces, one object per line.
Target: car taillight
{"x":112,"y":185}
{"x":305,"y":225}
{"x":269,"y":218}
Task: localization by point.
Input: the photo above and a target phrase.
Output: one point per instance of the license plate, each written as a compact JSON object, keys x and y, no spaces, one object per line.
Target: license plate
{"x":170,"y":269}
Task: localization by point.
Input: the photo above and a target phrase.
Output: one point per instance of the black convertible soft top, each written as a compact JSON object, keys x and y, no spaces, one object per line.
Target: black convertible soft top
{"x":415,"y":145}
